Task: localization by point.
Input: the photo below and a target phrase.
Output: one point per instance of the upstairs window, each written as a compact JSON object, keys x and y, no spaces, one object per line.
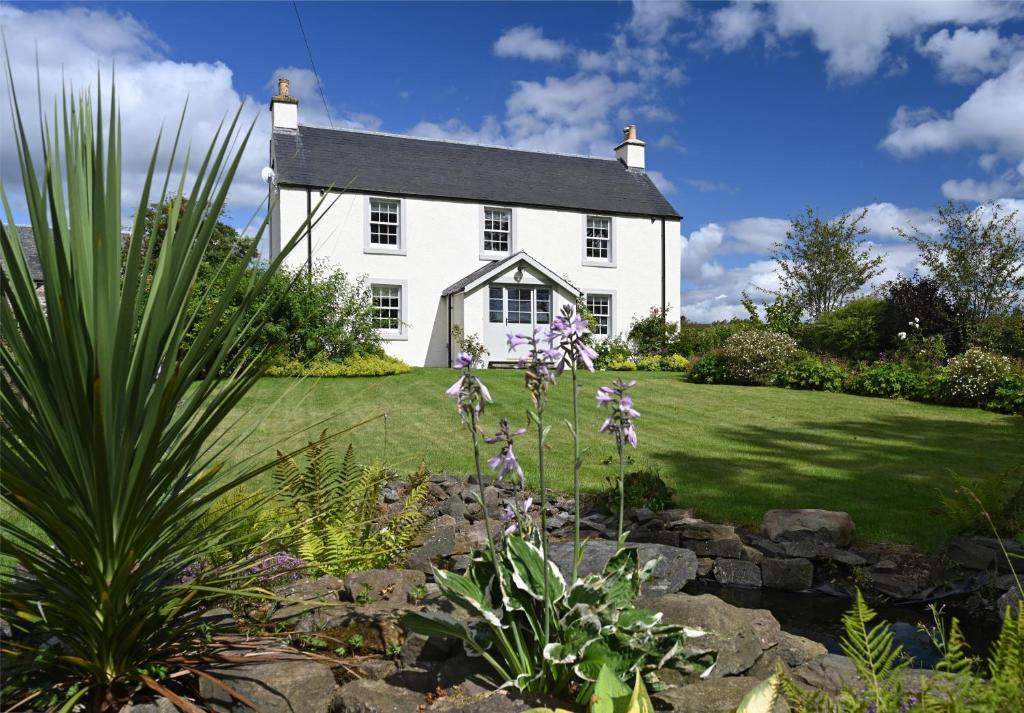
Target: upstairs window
{"x":601,"y":307}
{"x":385,"y":223}
{"x":599,"y":239}
{"x":497,"y":230}
{"x":387,"y":307}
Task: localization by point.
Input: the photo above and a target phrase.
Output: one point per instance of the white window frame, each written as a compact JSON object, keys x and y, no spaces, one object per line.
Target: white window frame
{"x":612,"y":252}
{"x":498,"y":254}
{"x":612,"y":299}
{"x":376,"y":248}
{"x":402,"y":333}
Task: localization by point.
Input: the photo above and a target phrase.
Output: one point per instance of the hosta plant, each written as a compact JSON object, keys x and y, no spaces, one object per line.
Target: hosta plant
{"x":594,"y":622}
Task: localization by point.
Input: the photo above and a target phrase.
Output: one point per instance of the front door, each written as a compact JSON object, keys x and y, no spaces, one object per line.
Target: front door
{"x":514,"y":309}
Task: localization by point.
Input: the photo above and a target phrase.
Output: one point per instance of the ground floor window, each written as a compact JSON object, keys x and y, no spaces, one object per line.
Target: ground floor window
{"x":601,"y":307}
{"x":387,"y":307}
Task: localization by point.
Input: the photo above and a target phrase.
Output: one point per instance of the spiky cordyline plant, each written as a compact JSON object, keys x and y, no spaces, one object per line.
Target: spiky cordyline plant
{"x":112,"y":451}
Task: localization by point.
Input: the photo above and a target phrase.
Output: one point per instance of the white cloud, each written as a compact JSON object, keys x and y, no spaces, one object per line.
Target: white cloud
{"x":652,"y":19}
{"x":699,"y":247}
{"x":756,"y":235}
{"x":303,"y":86}
{"x":967,"y":54}
{"x":855,"y":36}
{"x":734,"y":26}
{"x":708,"y":186}
{"x":969,"y":189}
{"x":72,"y":42}
{"x":663,"y":183}
{"x":990,"y":119}
{"x":529,"y":42}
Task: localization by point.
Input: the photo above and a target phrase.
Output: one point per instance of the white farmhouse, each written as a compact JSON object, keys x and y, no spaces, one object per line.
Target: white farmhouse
{"x":493,"y":240}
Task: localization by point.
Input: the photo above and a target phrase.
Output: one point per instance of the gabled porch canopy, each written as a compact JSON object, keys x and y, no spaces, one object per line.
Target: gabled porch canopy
{"x":486,"y":272}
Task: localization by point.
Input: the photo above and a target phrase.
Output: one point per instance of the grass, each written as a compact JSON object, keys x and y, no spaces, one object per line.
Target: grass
{"x":731,"y":453}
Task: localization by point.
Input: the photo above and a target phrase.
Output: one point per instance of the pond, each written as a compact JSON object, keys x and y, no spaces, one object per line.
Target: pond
{"x":819,"y":617}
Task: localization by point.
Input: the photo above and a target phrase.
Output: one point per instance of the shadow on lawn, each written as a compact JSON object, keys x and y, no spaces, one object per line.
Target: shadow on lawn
{"x":885,"y":472}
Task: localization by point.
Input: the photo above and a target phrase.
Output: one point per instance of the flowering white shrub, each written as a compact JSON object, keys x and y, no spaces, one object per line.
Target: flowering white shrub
{"x":757,"y":356}
{"x":973,"y":376}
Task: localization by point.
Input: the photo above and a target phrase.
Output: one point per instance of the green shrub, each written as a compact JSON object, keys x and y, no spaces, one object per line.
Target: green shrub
{"x":995,"y":502}
{"x":708,"y":369}
{"x":652,"y":362}
{"x":972,"y":378}
{"x":652,"y":334}
{"x":1009,"y":397}
{"x":470,"y":344}
{"x":920,"y":353}
{"x":356,"y":365}
{"x":850,"y":332}
{"x":757,"y":356}
{"x":333,"y":508}
{"x":1002,"y":334}
{"x":618,"y":364}
{"x":612,"y":349}
{"x":675,"y":362}
{"x":695,"y":339}
{"x":888,"y":380}
{"x":812,"y":373}
{"x":643,"y":489}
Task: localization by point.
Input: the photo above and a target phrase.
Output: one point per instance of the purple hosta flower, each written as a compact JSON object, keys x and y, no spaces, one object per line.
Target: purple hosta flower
{"x":469,"y":392}
{"x":620,"y":421}
{"x":278,"y":567}
{"x":505,"y":461}
{"x":538,"y":362}
{"x":515,"y":516}
{"x":909,"y":703}
{"x":568,"y":332}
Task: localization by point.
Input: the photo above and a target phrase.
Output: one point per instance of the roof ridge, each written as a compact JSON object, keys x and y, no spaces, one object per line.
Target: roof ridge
{"x":458,"y":143}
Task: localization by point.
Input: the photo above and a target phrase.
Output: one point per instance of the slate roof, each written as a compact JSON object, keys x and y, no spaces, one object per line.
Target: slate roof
{"x":400,"y":165}
{"x":28,"y":247}
{"x":499,"y":265}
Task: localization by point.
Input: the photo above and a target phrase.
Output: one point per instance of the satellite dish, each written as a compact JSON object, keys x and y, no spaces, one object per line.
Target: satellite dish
{"x":267,"y":174}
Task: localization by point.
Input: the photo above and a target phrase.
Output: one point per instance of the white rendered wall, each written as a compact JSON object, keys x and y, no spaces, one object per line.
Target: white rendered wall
{"x":441,"y":241}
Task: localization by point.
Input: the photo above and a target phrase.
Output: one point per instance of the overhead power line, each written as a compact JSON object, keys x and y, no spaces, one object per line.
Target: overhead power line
{"x":312,"y":63}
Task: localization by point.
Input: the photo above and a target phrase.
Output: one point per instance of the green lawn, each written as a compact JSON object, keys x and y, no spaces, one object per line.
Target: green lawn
{"x":729,"y":452}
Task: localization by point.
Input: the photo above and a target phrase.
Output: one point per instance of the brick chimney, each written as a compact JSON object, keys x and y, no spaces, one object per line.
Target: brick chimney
{"x":284,"y":108}
{"x":631,"y":150}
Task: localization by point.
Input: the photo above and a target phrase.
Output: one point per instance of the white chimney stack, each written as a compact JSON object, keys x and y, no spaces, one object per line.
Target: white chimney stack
{"x":631,"y":150}
{"x":284,"y":107}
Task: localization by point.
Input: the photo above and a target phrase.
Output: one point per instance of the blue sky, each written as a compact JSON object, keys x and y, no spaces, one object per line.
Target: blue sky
{"x":751,"y":111}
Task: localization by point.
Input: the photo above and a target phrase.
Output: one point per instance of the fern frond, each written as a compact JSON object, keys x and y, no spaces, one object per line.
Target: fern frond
{"x":878,"y":659}
{"x":955,"y":658}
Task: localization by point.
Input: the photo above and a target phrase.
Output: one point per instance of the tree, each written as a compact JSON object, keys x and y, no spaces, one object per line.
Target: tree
{"x":977,"y":259}
{"x":823,"y":263}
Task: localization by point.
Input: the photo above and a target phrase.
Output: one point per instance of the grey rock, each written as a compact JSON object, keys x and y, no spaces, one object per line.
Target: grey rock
{"x":559,"y":520}
{"x":377,"y":669}
{"x":157,"y":705}
{"x":765,"y":545}
{"x":418,"y":650}
{"x":437,"y":490}
{"x":1011,"y":599}
{"x":219,"y":618}
{"x":454,"y":506}
{"x":850,"y":559}
{"x":439,"y":542}
{"x":808,"y":549}
{"x":826,"y":527}
{"x":752,"y":554}
{"x":791,"y":650}
{"x":792,"y":574}
{"x":366,"y":696}
{"x":305,"y":597}
{"x":708,"y":531}
{"x":658,"y":537}
{"x":290,"y":684}
{"x":884,"y":566}
{"x":381,"y":586}
{"x":674,"y":569}
{"x":901,"y":586}
{"x":986,"y":553}
{"x":642,"y":515}
{"x":389,"y":494}
{"x":704,"y":566}
{"x":675,"y":514}
{"x":732,"y":548}
{"x":486,"y":702}
{"x":737,"y":573}
{"x":738,"y":635}
{"x":721,"y":695}
{"x":827,"y":673}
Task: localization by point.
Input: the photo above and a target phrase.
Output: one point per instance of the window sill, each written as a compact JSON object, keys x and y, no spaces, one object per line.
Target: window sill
{"x":374,"y":250}
{"x":393,"y":336}
{"x":598,"y":263}
{"x":492,"y":256}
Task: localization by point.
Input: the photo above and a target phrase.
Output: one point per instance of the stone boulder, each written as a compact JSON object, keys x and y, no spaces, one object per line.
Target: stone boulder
{"x":489,"y":702}
{"x":721,"y":695}
{"x":1010,"y":599}
{"x":791,"y":574}
{"x":827,"y":673}
{"x":366,"y":696}
{"x":738,"y":635}
{"x":737,"y":573}
{"x":825,"y":527}
{"x":674,"y":569}
{"x":985,"y":553}
{"x":279,"y":683}
{"x":439,"y":542}
{"x":383,"y":586}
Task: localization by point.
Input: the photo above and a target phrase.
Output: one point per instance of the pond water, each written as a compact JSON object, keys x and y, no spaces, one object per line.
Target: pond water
{"x":819,"y":617}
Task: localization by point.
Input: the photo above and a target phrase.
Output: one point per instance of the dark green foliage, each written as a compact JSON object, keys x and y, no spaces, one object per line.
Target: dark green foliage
{"x":470,"y":344}
{"x":921,"y":299}
{"x":652,"y":335}
{"x":823,"y":263}
{"x":889,"y":380}
{"x":851,"y":332}
{"x":353,"y":365}
{"x":782,"y":315}
{"x":695,"y":339}
{"x":1002,"y":334}
{"x":757,"y":356}
{"x":1009,"y":396}
{"x":993,"y":502}
{"x":333,"y":508}
{"x":613,"y":350}
{"x":812,"y":373}
{"x":644,"y":489}
{"x":709,"y":369}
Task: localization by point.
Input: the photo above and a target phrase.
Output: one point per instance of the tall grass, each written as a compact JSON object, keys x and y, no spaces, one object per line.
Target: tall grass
{"x":112,"y":446}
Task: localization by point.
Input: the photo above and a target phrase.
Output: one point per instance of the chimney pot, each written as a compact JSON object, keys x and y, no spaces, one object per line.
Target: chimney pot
{"x":282,"y":87}
{"x":629,"y":133}
{"x":631,"y":150}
